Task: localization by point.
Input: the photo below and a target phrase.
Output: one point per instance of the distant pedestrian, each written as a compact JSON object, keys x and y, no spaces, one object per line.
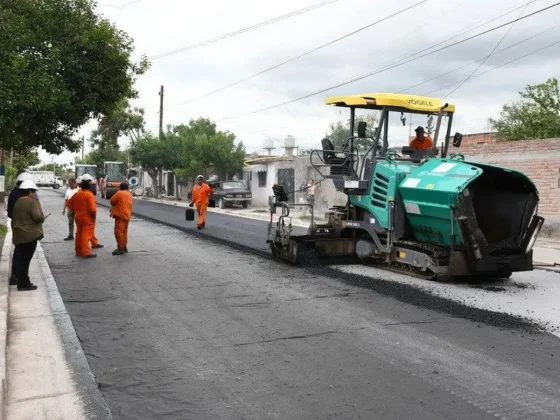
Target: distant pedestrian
{"x":13,"y":197}
{"x":72,"y":189}
{"x":121,"y":211}
{"x":200,"y":198}
{"x":84,"y":206}
{"x":27,"y":225}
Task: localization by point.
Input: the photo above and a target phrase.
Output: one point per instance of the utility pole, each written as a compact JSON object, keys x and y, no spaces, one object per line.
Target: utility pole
{"x":160,"y":174}
{"x":83,"y":147}
{"x":12,"y":157}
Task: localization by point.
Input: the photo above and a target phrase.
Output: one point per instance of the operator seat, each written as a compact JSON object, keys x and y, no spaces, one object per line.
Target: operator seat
{"x":339,"y":165}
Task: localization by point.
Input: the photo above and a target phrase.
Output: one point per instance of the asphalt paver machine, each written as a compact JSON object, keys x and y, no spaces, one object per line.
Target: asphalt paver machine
{"x":429,"y":214}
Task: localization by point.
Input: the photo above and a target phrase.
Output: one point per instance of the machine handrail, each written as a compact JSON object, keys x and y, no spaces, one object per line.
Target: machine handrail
{"x":349,"y":156}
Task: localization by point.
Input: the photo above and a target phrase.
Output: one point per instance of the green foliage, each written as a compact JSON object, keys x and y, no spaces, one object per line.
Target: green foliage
{"x":535,"y":116}
{"x":10,"y":178}
{"x":61,"y":66}
{"x":189,"y":150}
{"x":121,"y":120}
{"x":340,"y":132}
{"x":25,"y":159}
{"x":204,"y":148}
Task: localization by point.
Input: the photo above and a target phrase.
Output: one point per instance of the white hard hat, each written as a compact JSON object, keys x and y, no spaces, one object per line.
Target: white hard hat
{"x":24,"y":176}
{"x":28,"y":185}
{"x":200,"y":177}
{"x":86,"y":177}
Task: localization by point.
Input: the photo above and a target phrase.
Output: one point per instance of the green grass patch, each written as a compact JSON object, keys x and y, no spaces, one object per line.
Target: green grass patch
{"x":3,"y":231}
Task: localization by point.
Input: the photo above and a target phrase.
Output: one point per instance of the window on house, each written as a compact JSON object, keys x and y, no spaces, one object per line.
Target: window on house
{"x":262,"y":179}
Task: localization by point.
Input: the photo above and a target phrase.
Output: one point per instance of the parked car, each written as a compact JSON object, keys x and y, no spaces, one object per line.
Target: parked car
{"x":227,"y":193}
{"x":112,"y":185}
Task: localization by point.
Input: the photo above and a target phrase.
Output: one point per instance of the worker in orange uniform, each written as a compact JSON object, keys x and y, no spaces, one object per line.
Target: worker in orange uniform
{"x":84,"y":206}
{"x":200,"y":197}
{"x":421,"y":141}
{"x":94,"y":241}
{"x":121,"y":211}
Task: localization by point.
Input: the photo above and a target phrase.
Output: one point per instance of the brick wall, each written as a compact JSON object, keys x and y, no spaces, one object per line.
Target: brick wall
{"x":538,"y":159}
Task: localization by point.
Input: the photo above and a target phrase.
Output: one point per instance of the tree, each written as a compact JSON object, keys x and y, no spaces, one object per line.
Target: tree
{"x":61,"y":66}
{"x":24,"y":159}
{"x":121,"y":120}
{"x":204,"y":148}
{"x":155,"y":154}
{"x":535,"y":116}
{"x":340,"y":132}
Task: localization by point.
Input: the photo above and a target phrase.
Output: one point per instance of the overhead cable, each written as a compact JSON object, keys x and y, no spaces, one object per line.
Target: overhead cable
{"x":243,"y":30}
{"x":394,"y":65}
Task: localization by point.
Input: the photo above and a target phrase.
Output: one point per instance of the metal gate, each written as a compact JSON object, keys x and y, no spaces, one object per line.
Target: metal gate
{"x":286,"y":178}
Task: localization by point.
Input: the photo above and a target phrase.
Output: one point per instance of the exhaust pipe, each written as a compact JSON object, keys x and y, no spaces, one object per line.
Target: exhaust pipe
{"x":532,"y":233}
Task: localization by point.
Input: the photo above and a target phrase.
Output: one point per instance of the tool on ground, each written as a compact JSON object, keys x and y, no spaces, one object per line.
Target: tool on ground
{"x":409,"y":210}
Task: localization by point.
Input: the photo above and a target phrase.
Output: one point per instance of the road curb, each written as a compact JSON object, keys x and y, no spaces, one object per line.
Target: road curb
{"x":85,"y":382}
{"x":4,"y":293}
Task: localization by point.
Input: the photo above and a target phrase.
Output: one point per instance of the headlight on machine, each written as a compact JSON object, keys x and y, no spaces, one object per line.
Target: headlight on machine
{"x":248,"y":196}
{"x":229,"y":195}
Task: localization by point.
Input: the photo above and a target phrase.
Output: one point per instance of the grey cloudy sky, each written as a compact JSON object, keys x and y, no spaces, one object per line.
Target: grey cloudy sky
{"x":160,"y":26}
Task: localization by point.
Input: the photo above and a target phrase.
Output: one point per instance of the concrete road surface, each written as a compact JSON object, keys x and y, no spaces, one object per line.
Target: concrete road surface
{"x":185,"y":328}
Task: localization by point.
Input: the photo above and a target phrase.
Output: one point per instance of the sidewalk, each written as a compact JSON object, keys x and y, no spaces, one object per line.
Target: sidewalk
{"x":546,"y":252}
{"x":48,"y":376}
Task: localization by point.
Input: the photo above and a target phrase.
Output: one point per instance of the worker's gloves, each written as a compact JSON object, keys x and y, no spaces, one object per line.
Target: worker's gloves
{"x":191,"y":204}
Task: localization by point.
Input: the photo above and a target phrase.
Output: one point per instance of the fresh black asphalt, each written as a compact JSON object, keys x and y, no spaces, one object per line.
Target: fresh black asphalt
{"x":186,"y":328}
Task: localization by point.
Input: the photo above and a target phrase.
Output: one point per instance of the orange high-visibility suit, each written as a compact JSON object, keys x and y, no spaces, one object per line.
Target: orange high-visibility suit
{"x":121,"y":211}
{"x":422,"y":144}
{"x":200,"y":197}
{"x":84,"y":206}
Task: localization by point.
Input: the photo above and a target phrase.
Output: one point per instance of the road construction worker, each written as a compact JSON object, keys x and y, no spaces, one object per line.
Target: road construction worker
{"x":121,"y":211}
{"x":421,"y":141}
{"x":200,"y":198}
{"x":94,"y":241}
{"x":70,"y":191}
{"x":84,"y":206}
{"x":12,"y":198}
{"x":27,"y":225}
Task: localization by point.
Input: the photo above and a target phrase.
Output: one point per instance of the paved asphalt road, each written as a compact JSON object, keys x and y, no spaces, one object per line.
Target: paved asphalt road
{"x":184,"y":328}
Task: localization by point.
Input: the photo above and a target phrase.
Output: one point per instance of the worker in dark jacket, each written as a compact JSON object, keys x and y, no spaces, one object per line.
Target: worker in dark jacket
{"x":27,"y":230}
{"x":12,"y":198}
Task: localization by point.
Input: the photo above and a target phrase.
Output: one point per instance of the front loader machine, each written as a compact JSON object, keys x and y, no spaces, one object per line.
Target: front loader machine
{"x":413,"y":212}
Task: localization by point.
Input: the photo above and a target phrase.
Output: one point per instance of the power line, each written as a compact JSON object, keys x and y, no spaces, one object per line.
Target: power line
{"x":363,"y":28}
{"x":446,"y":39}
{"x":476,"y":61}
{"x":491,"y":52}
{"x":243,"y":30}
{"x":393,"y":66}
{"x":499,"y":66}
{"x":381,"y":49}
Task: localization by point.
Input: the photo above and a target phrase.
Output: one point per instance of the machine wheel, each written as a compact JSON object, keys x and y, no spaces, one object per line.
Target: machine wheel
{"x":245,"y":204}
{"x":221,"y":204}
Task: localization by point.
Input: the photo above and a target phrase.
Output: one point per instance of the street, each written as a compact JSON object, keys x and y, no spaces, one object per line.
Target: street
{"x":184,"y":327}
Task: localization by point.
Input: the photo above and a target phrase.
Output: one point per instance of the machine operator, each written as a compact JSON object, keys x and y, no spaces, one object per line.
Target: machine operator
{"x":421,"y":141}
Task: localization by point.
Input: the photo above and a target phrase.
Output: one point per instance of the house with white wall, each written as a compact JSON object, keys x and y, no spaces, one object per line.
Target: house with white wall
{"x":292,"y":172}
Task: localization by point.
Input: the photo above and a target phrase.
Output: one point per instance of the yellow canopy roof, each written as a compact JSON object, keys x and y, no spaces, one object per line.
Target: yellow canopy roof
{"x":413,"y":103}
